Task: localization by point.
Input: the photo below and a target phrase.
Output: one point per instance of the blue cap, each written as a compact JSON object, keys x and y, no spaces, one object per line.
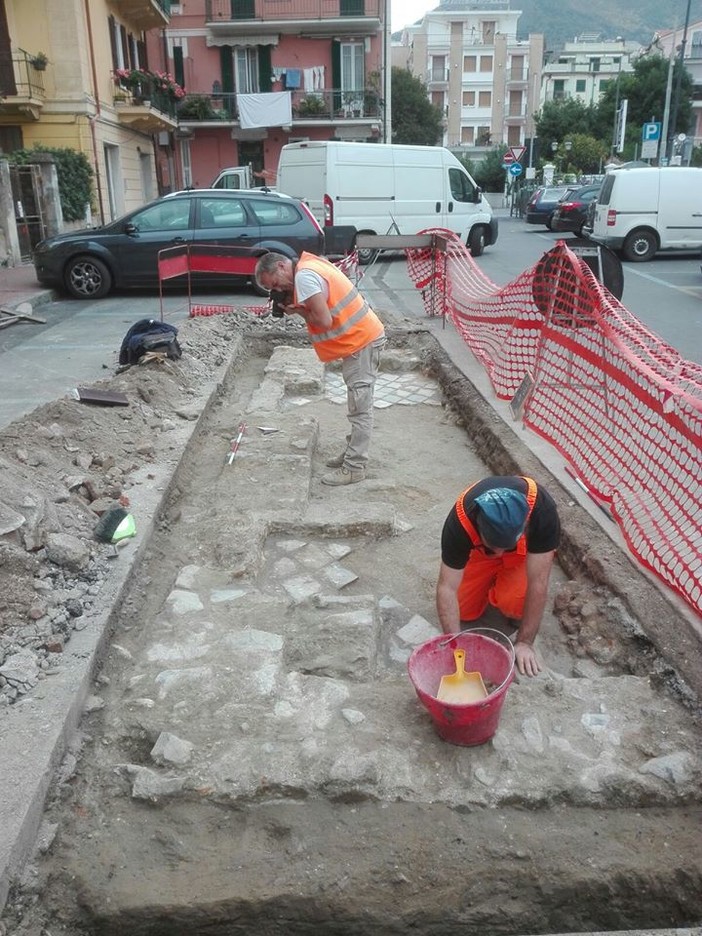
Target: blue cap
{"x":501,"y":517}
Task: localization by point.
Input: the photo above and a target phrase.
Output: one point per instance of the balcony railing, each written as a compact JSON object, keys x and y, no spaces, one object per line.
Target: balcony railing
{"x":307,"y":107}
{"x":29,"y":80}
{"x":223,"y":11}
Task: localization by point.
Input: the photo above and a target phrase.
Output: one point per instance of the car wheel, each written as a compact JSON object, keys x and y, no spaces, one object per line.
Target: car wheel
{"x":549,"y":222}
{"x":476,"y":241}
{"x":88,"y":278}
{"x":640,"y":246}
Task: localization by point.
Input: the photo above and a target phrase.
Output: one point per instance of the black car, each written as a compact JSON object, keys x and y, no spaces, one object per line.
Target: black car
{"x":543,"y":203}
{"x":572,"y":210}
{"x":124,"y":254}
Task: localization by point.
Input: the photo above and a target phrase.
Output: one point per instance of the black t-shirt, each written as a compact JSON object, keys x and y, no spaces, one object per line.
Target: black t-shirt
{"x":542,"y":531}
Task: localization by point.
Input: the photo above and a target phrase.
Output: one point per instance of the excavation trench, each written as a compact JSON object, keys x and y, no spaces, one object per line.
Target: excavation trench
{"x":255,"y":758}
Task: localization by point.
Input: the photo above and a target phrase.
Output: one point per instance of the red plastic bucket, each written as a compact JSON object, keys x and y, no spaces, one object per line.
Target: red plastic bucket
{"x":487,"y":651}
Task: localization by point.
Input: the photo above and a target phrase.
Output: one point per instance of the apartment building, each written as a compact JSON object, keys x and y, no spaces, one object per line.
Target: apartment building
{"x":671,"y":41}
{"x":485,"y":80}
{"x":585,"y":67}
{"x":262,"y":73}
{"x":81,"y":92}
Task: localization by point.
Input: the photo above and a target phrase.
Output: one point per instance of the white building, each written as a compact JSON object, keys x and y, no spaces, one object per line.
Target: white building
{"x":484,"y":79}
{"x":585,"y":67}
{"x":667,"y":41}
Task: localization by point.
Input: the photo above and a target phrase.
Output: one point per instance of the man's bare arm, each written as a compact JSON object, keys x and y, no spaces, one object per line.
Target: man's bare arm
{"x":447,"y":599}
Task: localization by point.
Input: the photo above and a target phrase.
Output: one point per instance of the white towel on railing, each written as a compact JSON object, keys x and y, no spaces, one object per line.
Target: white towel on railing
{"x":273,"y":109}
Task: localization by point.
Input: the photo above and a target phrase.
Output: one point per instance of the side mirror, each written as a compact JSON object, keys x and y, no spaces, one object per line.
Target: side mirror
{"x":130,"y":228}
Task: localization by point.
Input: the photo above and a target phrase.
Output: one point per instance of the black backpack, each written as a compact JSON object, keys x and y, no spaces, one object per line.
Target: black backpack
{"x":149,"y":335}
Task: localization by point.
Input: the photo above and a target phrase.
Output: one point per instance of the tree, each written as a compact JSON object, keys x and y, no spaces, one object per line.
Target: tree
{"x":414,"y":118}
{"x":645,"y":90}
{"x":562,"y":120}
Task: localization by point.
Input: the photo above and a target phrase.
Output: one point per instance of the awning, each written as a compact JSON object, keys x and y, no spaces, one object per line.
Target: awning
{"x":236,"y":39}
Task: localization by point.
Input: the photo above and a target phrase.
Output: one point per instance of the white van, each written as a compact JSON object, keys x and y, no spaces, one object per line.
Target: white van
{"x":644,"y":210}
{"x":382,"y":188}
{"x":234,"y":177}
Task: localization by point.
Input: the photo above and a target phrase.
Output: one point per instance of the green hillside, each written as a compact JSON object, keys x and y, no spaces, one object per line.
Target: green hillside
{"x":636,"y":20}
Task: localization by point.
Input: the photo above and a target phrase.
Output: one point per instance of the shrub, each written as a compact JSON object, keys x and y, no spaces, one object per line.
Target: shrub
{"x":75,"y":178}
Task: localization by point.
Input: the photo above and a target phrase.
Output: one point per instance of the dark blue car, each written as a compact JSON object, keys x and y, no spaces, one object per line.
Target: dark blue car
{"x":543,"y":203}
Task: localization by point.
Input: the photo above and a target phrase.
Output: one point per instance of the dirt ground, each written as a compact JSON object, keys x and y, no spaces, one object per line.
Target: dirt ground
{"x":526,"y":852}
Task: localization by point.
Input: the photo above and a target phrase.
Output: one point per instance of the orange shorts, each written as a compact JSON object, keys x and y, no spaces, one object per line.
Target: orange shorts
{"x":499,"y":580}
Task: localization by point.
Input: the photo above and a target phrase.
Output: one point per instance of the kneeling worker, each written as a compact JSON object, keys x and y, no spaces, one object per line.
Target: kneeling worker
{"x":497,"y":546}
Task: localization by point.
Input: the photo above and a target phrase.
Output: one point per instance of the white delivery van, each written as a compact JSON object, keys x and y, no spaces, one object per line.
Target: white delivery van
{"x":382,"y":188}
{"x":643,"y":210}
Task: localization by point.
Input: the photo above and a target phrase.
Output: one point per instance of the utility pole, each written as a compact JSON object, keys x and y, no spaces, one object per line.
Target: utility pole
{"x":678,"y":82}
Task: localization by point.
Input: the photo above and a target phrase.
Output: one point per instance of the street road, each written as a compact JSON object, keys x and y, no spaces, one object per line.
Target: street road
{"x":81,"y":340}
{"x":664,"y":294}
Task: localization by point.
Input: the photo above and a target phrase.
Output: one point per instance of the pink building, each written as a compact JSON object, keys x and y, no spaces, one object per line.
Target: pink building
{"x":262,"y":73}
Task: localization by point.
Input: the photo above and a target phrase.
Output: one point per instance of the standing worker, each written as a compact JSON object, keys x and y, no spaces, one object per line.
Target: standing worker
{"x":497,"y":546}
{"x":342,"y":325}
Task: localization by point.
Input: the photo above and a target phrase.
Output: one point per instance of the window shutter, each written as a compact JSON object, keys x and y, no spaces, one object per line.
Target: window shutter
{"x":227,"y":65}
{"x":113,"y":41}
{"x":178,"y":67}
{"x":336,"y":74}
{"x":264,"y":68}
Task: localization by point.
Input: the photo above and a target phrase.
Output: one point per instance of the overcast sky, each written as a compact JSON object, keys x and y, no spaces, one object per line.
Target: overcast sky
{"x":406,"y":12}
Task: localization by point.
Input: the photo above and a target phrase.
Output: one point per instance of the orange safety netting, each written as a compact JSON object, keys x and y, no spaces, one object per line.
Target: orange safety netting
{"x":622,"y":406}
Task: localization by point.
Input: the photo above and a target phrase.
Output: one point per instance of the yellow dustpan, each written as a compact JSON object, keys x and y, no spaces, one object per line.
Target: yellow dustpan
{"x":460,"y":688}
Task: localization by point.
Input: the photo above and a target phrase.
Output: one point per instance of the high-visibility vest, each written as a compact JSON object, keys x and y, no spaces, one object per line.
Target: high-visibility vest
{"x":354,"y":324}
{"x":473,"y":534}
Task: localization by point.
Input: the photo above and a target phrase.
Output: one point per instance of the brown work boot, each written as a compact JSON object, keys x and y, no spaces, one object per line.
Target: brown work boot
{"x":344,"y":476}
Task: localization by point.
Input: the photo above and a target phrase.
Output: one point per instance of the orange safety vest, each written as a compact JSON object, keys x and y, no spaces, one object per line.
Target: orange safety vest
{"x":354,"y":324}
{"x":473,"y":534}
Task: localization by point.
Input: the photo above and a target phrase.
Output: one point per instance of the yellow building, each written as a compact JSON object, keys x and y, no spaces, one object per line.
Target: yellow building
{"x":71,"y":97}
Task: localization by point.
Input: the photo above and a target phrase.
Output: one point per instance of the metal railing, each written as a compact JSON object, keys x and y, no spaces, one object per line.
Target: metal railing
{"x":29,"y":81}
{"x":223,"y":11}
{"x":307,"y":106}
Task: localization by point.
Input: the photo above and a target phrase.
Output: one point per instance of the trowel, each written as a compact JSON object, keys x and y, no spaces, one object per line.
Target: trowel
{"x":460,"y":688}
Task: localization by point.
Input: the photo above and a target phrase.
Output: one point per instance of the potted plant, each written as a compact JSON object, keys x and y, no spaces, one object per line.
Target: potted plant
{"x":39,"y":61}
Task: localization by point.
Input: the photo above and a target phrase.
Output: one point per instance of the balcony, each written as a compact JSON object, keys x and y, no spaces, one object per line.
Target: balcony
{"x":147,"y":111}
{"x":306,"y":18}
{"x":318,"y":108}
{"x":144,"y":14}
{"x":27,"y":101}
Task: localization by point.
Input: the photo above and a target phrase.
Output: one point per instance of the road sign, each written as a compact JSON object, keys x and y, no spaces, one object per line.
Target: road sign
{"x":517,"y":153}
{"x":515,"y":169}
{"x":508,"y":158}
{"x":651,"y":131}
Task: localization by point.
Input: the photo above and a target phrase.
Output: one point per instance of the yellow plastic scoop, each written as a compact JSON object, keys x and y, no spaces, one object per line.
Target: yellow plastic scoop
{"x":460,"y":687}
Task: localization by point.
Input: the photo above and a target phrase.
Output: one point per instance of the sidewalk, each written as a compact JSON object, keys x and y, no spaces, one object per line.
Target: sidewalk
{"x":19,"y":284}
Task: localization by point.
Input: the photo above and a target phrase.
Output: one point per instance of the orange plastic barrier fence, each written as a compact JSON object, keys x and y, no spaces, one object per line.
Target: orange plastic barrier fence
{"x":622,"y":406}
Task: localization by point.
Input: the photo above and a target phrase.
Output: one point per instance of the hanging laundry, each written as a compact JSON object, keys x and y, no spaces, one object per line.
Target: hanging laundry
{"x":292,"y":78}
{"x":272,"y":109}
{"x":309,"y":80}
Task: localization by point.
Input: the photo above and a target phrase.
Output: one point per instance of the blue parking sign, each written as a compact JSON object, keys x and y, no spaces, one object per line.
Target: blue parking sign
{"x":651,"y":132}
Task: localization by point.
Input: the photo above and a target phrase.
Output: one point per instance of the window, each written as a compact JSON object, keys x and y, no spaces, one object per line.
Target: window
{"x":485,"y":99}
{"x":489,"y":32}
{"x":580,"y":85}
{"x":178,"y":69}
{"x":246,"y":69}
{"x":167,"y":215}
{"x":222,"y":213}
{"x":513,"y":136}
{"x":484,"y":136}
{"x":470,"y":63}
{"x":558,"y":89}
{"x":437,"y":99}
{"x":467,"y":135}
{"x":462,"y":190}
{"x":352,"y":8}
{"x":595,"y":64}
{"x":186,"y":163}
{"x":517,"y":71}
{"x":271,"y":211}
{"x":515,"y":104}
{"x":352,"y":66}
{"x":243,"y":9}
{"x":469,"y":98}
{"x":485,"y":63}
{"x":438,"y":68}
